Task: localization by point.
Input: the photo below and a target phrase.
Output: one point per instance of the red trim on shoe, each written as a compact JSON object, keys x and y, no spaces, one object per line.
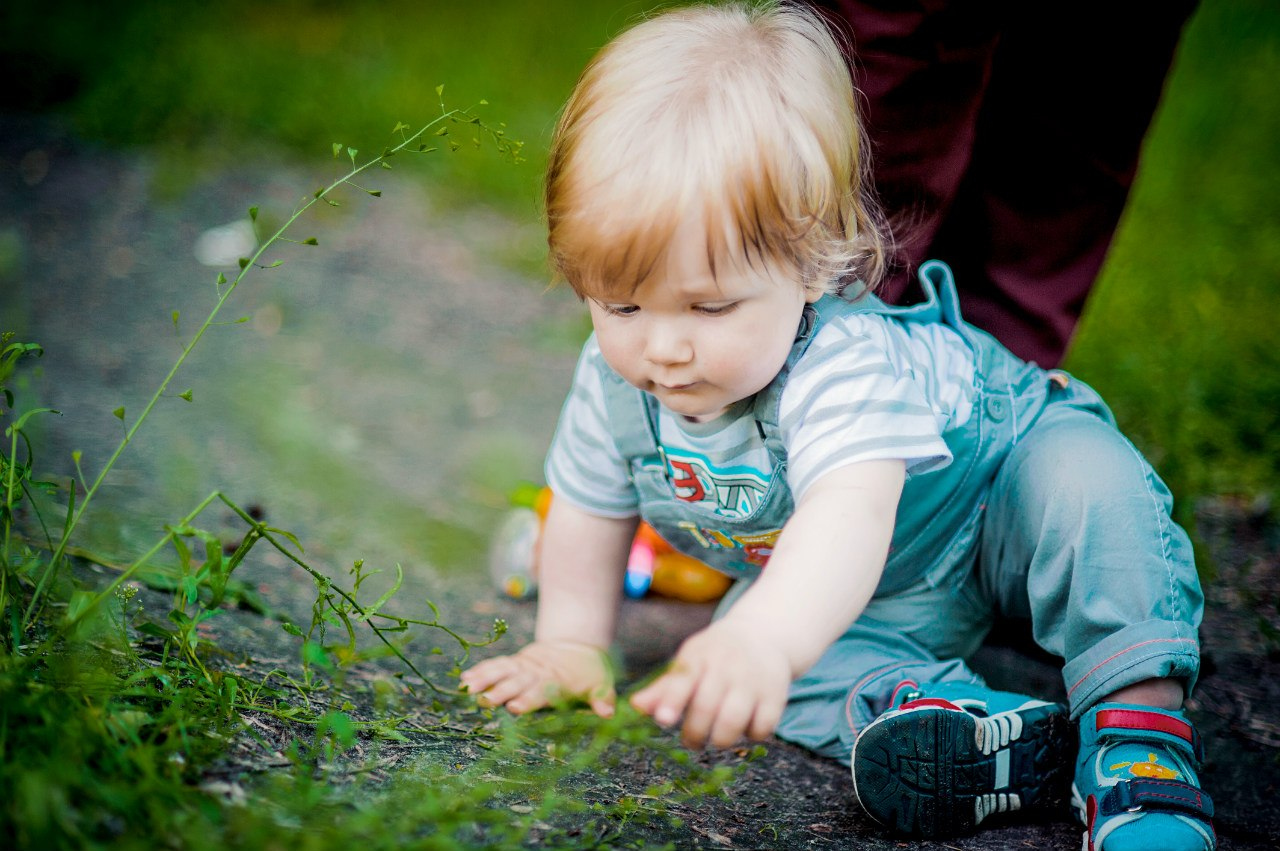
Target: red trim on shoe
{"x":905,"y":684}
{"x":1136,"y":719}
{"x":1091,"y":807}
{"x":925,"y":702}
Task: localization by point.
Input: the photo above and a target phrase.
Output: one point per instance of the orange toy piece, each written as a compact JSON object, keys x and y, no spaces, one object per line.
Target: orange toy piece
{"x":654,"y":564}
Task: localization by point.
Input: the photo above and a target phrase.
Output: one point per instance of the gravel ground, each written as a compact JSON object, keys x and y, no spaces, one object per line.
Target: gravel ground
{"x":404,"y":371}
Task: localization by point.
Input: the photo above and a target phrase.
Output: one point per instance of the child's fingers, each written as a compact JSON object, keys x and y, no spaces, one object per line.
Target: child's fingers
{"x":700,"y":715}
{"x":765,"y":719}
{"x":666,"y":697}
{"x":517,"y":692}
{"x":735,"y":713}
{"x":485,"y":674}
{"x":503,"y":681}
{"x":602,"y":701}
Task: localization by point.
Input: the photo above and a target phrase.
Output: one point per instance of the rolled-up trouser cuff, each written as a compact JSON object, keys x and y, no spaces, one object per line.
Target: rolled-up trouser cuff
{"x":1149,"y":650}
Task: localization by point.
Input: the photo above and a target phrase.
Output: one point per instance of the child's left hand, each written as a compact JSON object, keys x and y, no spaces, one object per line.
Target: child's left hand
{"x":726,"y":681}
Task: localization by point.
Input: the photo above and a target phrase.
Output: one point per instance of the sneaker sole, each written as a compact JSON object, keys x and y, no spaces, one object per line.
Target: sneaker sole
{"x":933,"y":772}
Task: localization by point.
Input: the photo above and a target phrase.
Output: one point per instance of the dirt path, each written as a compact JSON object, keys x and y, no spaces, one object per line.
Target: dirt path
{"x":387,"y":391}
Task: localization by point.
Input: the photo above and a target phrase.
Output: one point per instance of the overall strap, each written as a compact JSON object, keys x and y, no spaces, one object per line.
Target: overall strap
{"x":765,"y":409}
{"x":941,"y":304}
{"x":633,"y":416}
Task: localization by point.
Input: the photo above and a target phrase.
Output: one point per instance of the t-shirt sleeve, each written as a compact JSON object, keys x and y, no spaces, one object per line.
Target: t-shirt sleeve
{"x":848,"y":400}
{"x":584,"y":465}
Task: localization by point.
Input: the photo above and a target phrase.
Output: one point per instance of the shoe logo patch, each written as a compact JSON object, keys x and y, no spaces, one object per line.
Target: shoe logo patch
{"x":1151,"y":769}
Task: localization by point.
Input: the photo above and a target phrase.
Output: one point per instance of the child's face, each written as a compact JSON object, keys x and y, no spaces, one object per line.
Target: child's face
{"x":701,"y":343}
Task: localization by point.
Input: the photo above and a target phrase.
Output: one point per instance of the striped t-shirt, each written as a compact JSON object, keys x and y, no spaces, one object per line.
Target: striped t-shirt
{"x":868,"y":388}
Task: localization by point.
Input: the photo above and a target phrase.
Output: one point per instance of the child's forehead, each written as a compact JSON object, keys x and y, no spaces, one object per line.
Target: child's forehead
{"x":696,"y":271}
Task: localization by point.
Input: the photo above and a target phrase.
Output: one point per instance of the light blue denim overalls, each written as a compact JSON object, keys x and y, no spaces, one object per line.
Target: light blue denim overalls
{"x":1046,"y":512}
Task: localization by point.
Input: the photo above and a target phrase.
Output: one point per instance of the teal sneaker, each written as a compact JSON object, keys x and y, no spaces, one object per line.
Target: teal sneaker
{"x":945,"y":758}
{"x":1136,"y":785}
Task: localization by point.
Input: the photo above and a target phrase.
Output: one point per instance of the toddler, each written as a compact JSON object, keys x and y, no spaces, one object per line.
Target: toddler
{"x":881,"y":481}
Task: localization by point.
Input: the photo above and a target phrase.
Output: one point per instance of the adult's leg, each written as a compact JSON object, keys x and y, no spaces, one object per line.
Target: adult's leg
{"x":922,"y":69}
{"x":1005,"y":141}
{"x":1073,"y":89}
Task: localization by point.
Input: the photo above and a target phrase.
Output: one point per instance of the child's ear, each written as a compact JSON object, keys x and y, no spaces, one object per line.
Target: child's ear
{"x":813,"y":292}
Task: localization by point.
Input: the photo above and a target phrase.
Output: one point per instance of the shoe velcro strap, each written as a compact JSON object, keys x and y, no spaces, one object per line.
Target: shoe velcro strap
{"x":1140,"y":720}
{"x":1157,"y":795}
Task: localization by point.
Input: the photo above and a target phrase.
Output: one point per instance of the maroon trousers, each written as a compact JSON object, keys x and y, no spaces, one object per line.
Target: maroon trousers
{"x":1005,"y":140}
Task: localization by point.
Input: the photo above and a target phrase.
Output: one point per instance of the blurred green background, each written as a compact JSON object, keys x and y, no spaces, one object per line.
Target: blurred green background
{"x":1179,"y":336}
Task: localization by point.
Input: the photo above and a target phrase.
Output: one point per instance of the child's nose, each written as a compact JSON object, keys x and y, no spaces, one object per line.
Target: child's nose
{"x":668,"y":343}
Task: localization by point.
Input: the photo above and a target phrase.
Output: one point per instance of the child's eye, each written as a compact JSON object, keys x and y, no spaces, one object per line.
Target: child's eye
{"x":619,"y":309}
{"x":716,"y":309}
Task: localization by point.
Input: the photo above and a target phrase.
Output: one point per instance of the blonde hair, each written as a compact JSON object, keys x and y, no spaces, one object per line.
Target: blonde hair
{"x":745,"y":110}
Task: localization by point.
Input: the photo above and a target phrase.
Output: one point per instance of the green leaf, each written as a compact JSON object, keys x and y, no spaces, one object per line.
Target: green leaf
{"x":369,"y":611}
{"x":483,"y":102}
{"x":400,"y":125}
{"x":275,"y":264}
{"x":337,"y":146}
{"x":76,"y":455}
{"x":313,"y":654}
{"x":180,"y":617}
{"x":222,"y":279}
{"x":253,"y":214}
{"x":191,"y":589}
{"x":118,"y":413}
{"x":376,"y":193}
{"x":184,"y":552}
{"x":351,"y":152}
{"x":443,"y":131}
{"x":385,"y":165}
{"x":440,"y":90}
{"x":339,"y":723}
{"x":293,"y":539}
{"x":175,"y":320}
{"x":311,"y":240}
{"x":244,"y":262}
{"x":155,"y":630}
{"x":22,"y":420}
{"x":79,"y":603}
{"x":291,"y":628}
{"x":185,"y":394}
{"x":453,"y":146}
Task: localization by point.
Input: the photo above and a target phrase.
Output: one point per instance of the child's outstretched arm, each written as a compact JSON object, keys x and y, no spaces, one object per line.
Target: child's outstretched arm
{"x":582,"y":562}
{"x":731,"y":678}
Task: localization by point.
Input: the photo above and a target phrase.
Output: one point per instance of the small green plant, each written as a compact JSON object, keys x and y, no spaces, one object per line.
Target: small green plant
{"x":115,"y":714}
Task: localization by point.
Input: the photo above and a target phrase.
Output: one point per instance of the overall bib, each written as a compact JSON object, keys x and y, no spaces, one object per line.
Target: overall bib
{"x":1045,"y":512}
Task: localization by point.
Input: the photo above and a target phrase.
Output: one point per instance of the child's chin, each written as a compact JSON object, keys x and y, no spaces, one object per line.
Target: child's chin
{"x":698,"y":414}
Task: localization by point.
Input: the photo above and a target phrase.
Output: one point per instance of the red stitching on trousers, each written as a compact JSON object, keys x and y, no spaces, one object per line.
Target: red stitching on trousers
{"x":1091,"y":671}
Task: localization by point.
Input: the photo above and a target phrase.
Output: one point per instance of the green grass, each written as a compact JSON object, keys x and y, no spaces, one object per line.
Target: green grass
{"x":207,"y":80}
{"x":1180,"y":336}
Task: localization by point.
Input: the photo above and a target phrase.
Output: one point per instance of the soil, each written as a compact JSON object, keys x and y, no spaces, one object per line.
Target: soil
{"x":407,"y":370}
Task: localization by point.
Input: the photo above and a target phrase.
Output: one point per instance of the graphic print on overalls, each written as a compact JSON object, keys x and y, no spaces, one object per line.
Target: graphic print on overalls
{"x":727,"y":491}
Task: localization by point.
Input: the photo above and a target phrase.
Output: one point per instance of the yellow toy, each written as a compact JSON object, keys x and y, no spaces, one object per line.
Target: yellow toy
{"x":654,"y":565}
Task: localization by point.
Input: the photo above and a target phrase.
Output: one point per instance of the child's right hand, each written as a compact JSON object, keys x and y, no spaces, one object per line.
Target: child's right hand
{"x":542,"y":672}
